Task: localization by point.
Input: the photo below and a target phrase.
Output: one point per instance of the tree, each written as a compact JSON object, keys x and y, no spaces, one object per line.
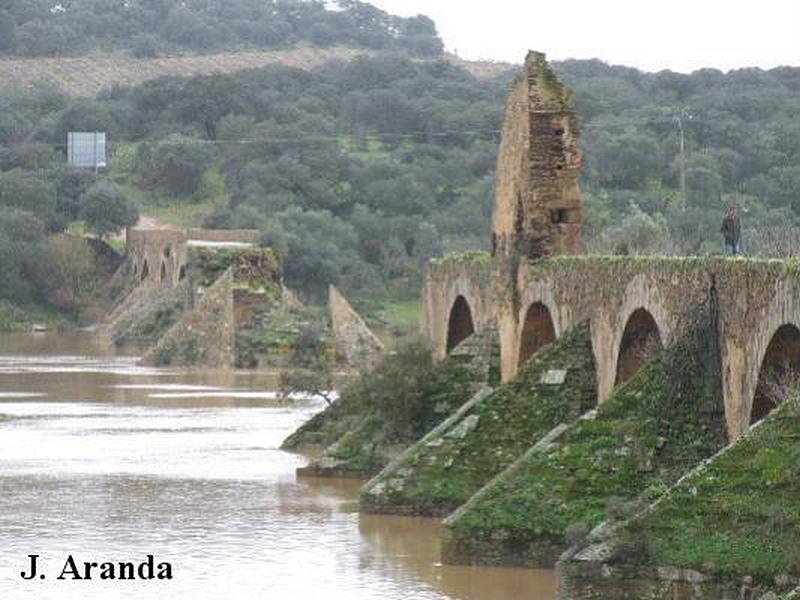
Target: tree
{"x":626,"y":160}
{"x":71,"y":184}
{"x":175,"y":165}
{"x":418,"y":34}
{"x":320,"y":249}
{"x":705,"y":187}
{"x":312,"y":370}
{"x":26,"y":191}
{"x":8,"y":32}
{"x":145,"y":45}
{"x":106,"y":209}
{"x":22,"y":245}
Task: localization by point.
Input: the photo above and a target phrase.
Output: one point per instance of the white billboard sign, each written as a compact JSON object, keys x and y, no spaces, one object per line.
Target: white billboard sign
{"x":86,"y":149}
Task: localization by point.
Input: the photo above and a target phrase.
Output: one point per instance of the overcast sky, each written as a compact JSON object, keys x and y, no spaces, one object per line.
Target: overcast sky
{"x":681,"y":35}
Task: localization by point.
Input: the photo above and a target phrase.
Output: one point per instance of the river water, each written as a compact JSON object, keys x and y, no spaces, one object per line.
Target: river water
{"x":106,"y":461}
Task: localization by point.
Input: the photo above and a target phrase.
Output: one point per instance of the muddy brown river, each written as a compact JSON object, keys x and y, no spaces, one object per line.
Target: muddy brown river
{"x":105,"y":460}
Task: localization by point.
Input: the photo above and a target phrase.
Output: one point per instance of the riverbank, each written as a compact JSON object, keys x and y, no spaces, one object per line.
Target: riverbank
{"x":28,"y":317}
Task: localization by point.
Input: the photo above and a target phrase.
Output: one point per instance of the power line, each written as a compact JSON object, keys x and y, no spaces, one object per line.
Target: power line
{"x":382,"y":136}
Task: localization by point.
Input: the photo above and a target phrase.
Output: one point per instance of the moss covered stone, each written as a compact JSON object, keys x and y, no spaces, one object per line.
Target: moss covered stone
{"x":251,"y":267}
{"x":442,"y":472}
{"x":654,"y":428}
{"x":148,"y":331}
{"x":271,"y":338}
{"x":737,"y":515}
{"x":392,"y":406}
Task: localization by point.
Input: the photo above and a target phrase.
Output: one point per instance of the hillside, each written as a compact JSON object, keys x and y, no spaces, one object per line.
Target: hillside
{"x":355,"y":145}
{"x":86,"y":76}
{"x":361,"y":170}
{"x":150,"y":28}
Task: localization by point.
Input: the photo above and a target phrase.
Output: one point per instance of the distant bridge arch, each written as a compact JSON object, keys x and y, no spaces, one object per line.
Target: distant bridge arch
{"x":460,"y":324}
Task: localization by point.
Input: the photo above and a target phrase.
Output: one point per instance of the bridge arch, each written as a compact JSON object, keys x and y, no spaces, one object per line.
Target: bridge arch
{"x":641,"y":341}
{"x":163,"y":275}
{"x":538,"y":330}
{"x":621,"y":330}
{"x":779,"y":372}
{"x":460,"y":324}
{"x":145,"y":270}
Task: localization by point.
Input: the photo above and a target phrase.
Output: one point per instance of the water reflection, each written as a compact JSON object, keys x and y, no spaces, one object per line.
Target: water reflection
{"x":106,"y":460}
{"x":412,"y":545}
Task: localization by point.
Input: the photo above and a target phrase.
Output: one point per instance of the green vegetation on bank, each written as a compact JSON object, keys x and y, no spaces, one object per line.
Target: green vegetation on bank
{"x":654,"y":428}
{"x":443,"y":472}
{"x":390,"y":407}
{"x":738,"y":515}
{"x":16,"y":317}
{"x":360,"y":173}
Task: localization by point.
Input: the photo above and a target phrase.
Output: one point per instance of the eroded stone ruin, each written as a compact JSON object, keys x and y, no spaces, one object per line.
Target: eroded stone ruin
{"x":538,"y":204}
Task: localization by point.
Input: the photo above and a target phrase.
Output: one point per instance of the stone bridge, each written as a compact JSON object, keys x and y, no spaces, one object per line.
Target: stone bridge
{"x":634,"y":307}
{"x":534,"y":285}
{"x":157,"y":256}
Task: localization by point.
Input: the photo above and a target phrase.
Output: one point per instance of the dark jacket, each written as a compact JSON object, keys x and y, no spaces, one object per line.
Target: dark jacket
{"x":731,"y":229}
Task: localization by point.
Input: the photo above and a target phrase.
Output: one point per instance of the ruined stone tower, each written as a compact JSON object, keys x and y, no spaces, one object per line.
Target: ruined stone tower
{"x":538,"y":198}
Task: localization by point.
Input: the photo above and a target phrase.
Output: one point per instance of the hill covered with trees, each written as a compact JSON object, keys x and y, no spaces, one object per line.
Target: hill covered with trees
{"x":147,"y":28}
{"x":360,"y":172}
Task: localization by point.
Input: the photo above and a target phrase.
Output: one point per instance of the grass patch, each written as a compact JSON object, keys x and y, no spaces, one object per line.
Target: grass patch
{"x":181,"y":212}
{"x":738,"y":515}
{"x":273,"y":340}
{"x":401,"y":316}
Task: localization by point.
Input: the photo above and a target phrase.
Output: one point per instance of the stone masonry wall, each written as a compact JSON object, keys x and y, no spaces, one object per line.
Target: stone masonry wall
{"x":538,"y":208}
{"x":204,"y":336}
{"x":360,"y":345}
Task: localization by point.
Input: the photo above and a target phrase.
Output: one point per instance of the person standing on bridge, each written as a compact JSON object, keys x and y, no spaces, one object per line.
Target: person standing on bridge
{"x":732,"y":231}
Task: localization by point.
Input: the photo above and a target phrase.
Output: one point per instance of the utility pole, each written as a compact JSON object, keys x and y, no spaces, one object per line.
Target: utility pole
{"x":683,"y":114}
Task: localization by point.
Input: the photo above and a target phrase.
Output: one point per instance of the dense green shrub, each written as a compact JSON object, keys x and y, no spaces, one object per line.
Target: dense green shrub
{"x":106,"y":209}
{"x":174,"y":165}
{"x":22,"y":252}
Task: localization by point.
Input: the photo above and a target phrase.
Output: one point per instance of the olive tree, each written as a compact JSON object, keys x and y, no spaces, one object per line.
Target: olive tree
{"x":106,"y":209}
